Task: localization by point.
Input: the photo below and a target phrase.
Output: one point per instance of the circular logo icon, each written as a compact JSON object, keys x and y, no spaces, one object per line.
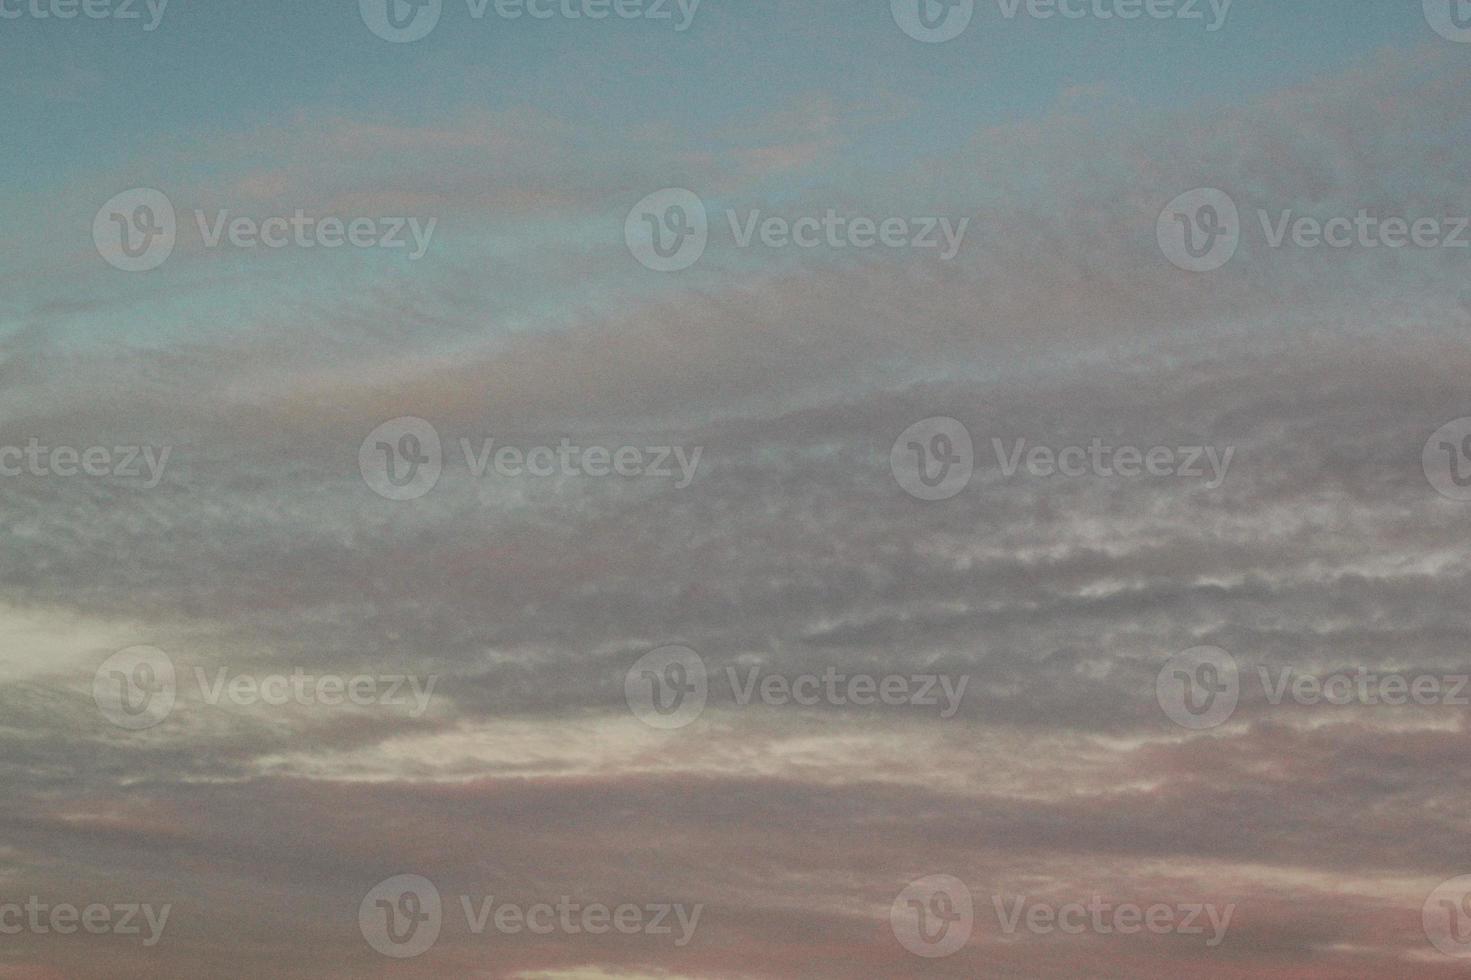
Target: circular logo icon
{"x":667,"y":688}
{"x":933,"y":21}
{"x":933,"y":916}
{"x":1446,"y":917}
{"x":1451,"y":19}
{"x":136,"y":230}
{"x":668,"y":230}
{"x":933,"y":459}
{"x":402,"y":459}
{"x":1200,"y":230}
{"x":1447,"y":460}
{"x":401,"y":917}
{"x":1199,"y":687}
{"x":401,"y":21}
{"x":134,"y":688}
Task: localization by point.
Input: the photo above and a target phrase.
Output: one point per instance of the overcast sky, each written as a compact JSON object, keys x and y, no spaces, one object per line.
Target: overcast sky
{"x":882,"y":499}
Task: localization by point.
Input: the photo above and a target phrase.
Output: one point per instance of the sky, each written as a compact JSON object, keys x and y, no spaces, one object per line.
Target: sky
{"x":737,"y":490}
